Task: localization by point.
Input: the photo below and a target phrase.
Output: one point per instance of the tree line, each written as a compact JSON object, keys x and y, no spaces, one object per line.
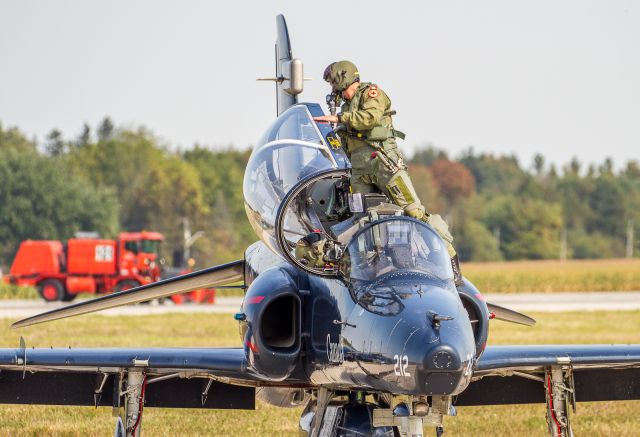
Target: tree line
{"x":111,"y":179}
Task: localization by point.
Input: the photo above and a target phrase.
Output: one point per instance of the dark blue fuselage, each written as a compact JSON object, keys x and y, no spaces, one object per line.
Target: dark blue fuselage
{"x":405,"y":334}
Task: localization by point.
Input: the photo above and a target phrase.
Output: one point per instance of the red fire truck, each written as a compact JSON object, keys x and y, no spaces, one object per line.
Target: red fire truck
{"x":87,"y":265}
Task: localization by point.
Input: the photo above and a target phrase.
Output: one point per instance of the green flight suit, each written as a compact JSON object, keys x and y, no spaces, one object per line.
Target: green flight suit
{"x":376,"y":162}
{"x":311,"y":254}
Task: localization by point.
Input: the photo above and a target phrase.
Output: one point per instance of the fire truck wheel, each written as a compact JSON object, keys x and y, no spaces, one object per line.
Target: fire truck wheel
{"x":127,"y":284}
{"x":51,"y":290}
{"x":68,"y":297}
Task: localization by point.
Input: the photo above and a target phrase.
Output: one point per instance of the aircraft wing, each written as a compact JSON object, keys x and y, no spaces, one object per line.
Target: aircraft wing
{"x":210,"y":277}
{"x":176,"y":377}
{"x":534,"y":357}
{"x":229,"y":362}
{"x":516,"y":374}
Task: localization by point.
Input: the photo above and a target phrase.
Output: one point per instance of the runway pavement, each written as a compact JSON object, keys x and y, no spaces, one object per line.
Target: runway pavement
{"x":526,"y":302}
{"x":24,"y":308}
{"x":571,"y":301}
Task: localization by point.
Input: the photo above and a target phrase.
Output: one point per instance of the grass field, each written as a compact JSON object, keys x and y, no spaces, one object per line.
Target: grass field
{"x":549,"y":276}
{"x":592,"y":419}
{"x":8,"y":292}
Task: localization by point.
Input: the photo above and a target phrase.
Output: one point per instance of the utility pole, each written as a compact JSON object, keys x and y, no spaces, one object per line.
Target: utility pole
{"x":630,"y":238}
{"x":189,"y":239}
{"x":496,"y":235}
{"x":563,"y":245}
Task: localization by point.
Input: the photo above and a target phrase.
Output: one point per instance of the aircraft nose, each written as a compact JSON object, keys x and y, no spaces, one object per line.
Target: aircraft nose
{"x":444,"y":368}
{"x":442,"y":357}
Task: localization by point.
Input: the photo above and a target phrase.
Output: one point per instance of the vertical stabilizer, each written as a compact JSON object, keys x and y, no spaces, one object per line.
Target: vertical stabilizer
{"x":289,"y":77}
{"x":289,"y":71}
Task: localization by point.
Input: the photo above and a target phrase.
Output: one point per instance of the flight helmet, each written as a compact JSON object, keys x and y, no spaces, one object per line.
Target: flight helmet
{"x":341,"y":75}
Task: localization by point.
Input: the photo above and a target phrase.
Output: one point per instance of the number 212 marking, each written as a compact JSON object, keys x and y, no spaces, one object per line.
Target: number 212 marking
{"x":400,"y":367}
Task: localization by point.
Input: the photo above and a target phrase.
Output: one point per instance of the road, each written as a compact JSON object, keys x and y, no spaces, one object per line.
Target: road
{"x":24,"y":308}
{"x":525,"y":302}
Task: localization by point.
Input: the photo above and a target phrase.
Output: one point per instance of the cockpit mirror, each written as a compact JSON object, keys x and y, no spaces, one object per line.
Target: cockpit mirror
{"x":293,"y":77}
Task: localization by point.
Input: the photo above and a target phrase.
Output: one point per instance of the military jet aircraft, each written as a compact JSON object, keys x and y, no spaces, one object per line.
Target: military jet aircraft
{"x":374,"y":340}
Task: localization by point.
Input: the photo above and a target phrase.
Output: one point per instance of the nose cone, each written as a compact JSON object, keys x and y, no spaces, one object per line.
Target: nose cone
{"x":446,"y":369}
{"x":447,"y":346}
{"x":439,"y":353}
{"x":417,"y":337}
{"x":442,"y":357}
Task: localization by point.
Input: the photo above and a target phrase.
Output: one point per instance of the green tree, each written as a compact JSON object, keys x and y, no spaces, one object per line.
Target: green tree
{"x":55,"y":145}
{"x":156,"y":188}
{"x":529,"y":228}
{"x":538,"y":164}
{"x":494,"y":175}
{"x":40,"y":199}
{"x":594,"y":245}
{"x":222,"y":173}
{"x":573,"y":168}
{"x":573,"y":192}
{"x":427,"y":155}
{"x":84,"y":138}
{"x":123,"y":162}
{"x":607,"y":202}
{"x":426,"y":187}
{"x":106,"y":129}
{"x":172,"y":191}
{"x":630,"y":179}
{"x":13,"y":139}
{"x":474,"y":242}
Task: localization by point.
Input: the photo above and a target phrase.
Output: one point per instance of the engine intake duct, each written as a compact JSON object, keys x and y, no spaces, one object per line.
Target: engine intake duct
{"x":271,"y":325}
{"x":279,"y":325}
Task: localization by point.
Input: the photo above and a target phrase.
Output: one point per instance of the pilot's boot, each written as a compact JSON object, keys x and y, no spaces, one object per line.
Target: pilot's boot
{"x":457,"y":274}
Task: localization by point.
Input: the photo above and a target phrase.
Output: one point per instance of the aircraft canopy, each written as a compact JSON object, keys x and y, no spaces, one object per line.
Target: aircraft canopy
{"x":397,"y":245}
{"x":292,"y":150}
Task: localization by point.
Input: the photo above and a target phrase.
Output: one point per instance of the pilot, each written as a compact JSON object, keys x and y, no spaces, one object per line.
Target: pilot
{"x":366,"y":128}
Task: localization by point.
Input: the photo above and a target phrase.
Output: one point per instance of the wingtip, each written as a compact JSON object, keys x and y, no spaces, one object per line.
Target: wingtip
{"x":20,"y":324}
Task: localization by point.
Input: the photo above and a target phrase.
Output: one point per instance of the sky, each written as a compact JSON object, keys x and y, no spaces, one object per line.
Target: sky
{"x":560,"y":78}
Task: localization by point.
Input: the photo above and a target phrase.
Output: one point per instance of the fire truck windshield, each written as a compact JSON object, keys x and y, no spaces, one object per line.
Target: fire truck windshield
{"x":151,"y":246}
{"x":131,"y":246}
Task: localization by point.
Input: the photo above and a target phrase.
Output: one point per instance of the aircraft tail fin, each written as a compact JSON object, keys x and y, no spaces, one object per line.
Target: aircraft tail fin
{"x":283,"y":58}
{"x":206,"y":278}
{"x":289,"y":77}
